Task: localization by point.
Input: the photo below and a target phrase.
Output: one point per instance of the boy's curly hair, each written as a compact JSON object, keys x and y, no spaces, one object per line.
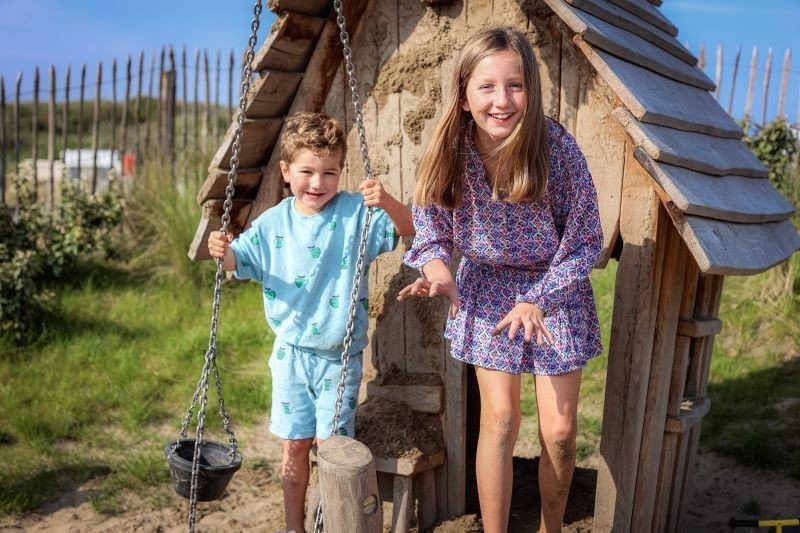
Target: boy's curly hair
{"x":316,"y":131}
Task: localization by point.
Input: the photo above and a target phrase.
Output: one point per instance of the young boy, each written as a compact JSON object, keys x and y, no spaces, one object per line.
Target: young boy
{"x":304,"y":252}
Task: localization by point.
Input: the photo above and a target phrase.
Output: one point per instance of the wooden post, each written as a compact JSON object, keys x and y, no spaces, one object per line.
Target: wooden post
{"x":123,"y":134}
{"x":215,"y":114}
{"x":113,"y":118}
{"x":230,"y":85}
{"x":51,"y":135}
{"x":701,"y":59}
{"x":718,"y":81}
{"x":65,"y":117}
{"x":2,"y":140}
{"x":167,"y":109}
{"x":196,"y":106}
{"x":137,"y":108}
{"x":787,"y":59}
{"x":35,"y":133}
{"x":185,"y":105}
{"x":751,"y":85}
{"x":207,"y":114}
{"x":767,"y":76}
{"x":348,"y":486}
{"x":80,"y":121}
{"x":159,"y":114}
{"x":733,"y":79}
{"x":149,"y":102}
{"x":16,"y":123}
{"x":96,"y":124}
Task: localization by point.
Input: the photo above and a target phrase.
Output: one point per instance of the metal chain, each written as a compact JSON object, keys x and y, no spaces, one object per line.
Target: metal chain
{"x":210,"y":363}
{"x":362,"y":247}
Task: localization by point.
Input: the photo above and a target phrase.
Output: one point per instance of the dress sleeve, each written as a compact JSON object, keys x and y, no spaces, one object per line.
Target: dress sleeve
{"x":581,"y":240}
{"x":434,"y":236}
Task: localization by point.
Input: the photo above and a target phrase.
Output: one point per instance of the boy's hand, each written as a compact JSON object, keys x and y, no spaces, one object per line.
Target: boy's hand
{"x":219,"y":244}
{"x":374,"y":194}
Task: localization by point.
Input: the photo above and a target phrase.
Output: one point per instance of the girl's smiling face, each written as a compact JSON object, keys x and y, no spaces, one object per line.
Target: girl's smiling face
{"x":314,"y":180}
{"x":495,"y":96}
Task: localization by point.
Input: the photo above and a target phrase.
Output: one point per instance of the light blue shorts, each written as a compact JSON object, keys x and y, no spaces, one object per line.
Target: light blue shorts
{"x":304,"y":393}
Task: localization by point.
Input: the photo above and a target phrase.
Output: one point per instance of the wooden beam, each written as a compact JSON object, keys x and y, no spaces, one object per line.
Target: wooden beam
{"x":258,"y":138}
{"x":649,"y":13}
{"x":272,"y":94}
{"x":699,"y":327}
{"x":406,"y":466}
{"x":211,"y":221}
{"x":693,"y":410}
{"x":247,"y":181}
{"x":289,"y":44}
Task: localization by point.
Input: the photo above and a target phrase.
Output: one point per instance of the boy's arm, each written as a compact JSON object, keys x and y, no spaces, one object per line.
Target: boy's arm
{"x":219,"y":247}
{"x":400,"y":215}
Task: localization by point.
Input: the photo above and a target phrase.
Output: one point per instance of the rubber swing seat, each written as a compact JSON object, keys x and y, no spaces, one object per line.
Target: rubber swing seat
{"x":215,"y":470}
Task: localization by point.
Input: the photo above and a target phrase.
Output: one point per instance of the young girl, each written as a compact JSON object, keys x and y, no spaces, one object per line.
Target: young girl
{"x":510,"y":189}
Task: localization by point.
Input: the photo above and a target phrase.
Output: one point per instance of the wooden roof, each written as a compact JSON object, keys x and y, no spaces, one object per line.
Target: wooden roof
{"x":731,"y":217}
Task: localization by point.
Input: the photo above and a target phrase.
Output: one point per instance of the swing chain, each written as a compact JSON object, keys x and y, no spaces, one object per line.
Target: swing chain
{"x":210,"y":364}
{"x":359,"y":270}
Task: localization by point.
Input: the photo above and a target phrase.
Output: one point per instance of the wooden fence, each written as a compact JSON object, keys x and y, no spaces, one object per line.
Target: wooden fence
{"x":140,"y":122}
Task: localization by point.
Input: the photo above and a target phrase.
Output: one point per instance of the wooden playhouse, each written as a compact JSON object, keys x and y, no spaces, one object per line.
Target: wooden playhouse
{"x":683,"y":203}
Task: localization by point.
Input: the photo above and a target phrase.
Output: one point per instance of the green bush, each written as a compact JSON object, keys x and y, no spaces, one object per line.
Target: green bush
{"x":776,"y":145}
{"x":38,"y":246}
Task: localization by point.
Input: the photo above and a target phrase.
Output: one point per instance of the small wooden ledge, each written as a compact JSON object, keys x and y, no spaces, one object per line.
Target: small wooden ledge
{"x":699,"y":327}
{"x":419,"y":398}
{"x":692,"y":411}
{"x":405,"y":466}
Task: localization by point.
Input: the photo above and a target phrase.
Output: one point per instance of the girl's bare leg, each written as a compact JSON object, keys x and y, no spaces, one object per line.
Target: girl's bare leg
{"x":500,"y":417}
{"x":557,"y":402}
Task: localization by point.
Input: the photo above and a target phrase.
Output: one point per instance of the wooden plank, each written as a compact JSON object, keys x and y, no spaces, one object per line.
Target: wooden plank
{"x":642,"y":227}
{"x":649,"y":13}
{"x":420,"y":398}
{"x":729,"y":248}
{"x":207,"y":108}
{"x":613,"y":14}
{"x":425,"y":488}
{"x":718,"y":77}
{"x":765,"y":91}
{"x":692,"y":412}
{"x":211,"y":221}
{"x":35,"y":133}
{"x":272,"y":94}
{"x":751,"y":85}
{"x":123,"y":126}
{"x":695,"y":151}
{"x":96,"y":124}
{"x":17,"y":143}
{"x":699,"y":327}
{"x":731,"y":198}
{"x":65,"y":112}
{"x":402,"y":505}
{"x":787,"y":60}
{"x":149,"y":102}
{"x":669,"y":300}
{"x":658,"y":100}
{"x":569,"y":99}
{"x":259,"y":136}
{"x":247,"y":182}
{"x":455,"y":428}
{"x":406,"y":466}
{"x":314,"y":8}
{"x":290,"y":43}
{"x":629,"y":46}
{"x":733,"y":78}
{"x":51,"y":135}
{"x":603,"y":144}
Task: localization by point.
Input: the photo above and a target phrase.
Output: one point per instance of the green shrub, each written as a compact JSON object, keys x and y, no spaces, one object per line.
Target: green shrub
{"x":38,"y":246}
{"x":776,"y":145}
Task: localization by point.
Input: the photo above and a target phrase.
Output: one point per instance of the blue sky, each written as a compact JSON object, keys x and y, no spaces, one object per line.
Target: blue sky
{"x":71,"y":32}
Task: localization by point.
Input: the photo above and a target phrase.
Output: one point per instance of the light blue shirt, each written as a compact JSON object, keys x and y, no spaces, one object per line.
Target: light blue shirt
{"x":306,"y":266}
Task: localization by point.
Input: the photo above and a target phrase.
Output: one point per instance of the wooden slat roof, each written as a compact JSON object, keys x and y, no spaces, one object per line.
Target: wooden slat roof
{"x":731,"y":217}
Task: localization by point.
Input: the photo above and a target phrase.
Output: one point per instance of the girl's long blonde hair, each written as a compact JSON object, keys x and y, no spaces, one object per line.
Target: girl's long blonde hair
{"x":524,"y":153}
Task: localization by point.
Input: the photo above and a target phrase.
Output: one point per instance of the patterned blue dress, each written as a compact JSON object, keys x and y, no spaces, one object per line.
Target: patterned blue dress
{"x":538,"y":252}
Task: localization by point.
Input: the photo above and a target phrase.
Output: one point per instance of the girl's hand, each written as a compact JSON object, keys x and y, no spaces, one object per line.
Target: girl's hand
{"x":374,"y":194}
{"x":431,"y":289}
{"x":528,"y":316}
{"x":219,"y":244}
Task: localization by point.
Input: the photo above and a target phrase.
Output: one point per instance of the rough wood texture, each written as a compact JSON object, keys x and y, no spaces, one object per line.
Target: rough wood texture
{"x":289,"y":44}
{"x":211,"y":221}
{"x":642,"y":227}
{"x":693,"y":410}
{"x":314,"y":8}
{"x":405,"y":466}
{"x":259,"y":136}
{"x":649,"y":13}
{"x":272,"y":94}
{"x":629,"y":46}
{"x":731,"y":198}
{"x":348,"y":486}
{"x":757,"y":246}
{"x":247,"y":182}
{"x":696,"y":151}
{"x":420,"y":398}
{"x":669,"y":300}
{"x":658,"y":100}
{"x":699,"y":327}
{"x":402,"y":504}
{"x":613,"y":14}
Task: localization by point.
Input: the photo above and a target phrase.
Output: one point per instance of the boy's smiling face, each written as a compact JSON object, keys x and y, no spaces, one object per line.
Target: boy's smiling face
{"x":314,"y":180}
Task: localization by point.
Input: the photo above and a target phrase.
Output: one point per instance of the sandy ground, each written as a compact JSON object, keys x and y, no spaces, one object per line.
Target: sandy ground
{"x":253,"y":501}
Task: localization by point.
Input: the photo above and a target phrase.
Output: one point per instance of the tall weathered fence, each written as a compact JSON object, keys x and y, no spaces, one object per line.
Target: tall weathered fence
{"x":84,"y":144}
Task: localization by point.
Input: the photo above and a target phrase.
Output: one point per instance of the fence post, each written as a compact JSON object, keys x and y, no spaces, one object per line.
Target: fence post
{"x":123,"y":140}
{"x":113,"y":109}
{"x":216,"y":99}
{"x":167,"y":109}
{"x":80,"y":122}
{"x":207,"y":114}
{"x":2,"y":140}
{"x":96,"y":125}
{"x":16,"y":123}
{"x":767,"y":76}
{"x":787,"y":59}
{"x":65,"y":117}
{"x":719,"y":72}
{"x":751,"y":84}
{"x":138,"y":106}
{"x":149,"y":100}
{"x":159,"y":117}
{"x":35,"y":133}
{"x":185,"y":106}
{"x":196,"y":106}
{"x":51,"y":135}
{"x":230,"y":85}
{"x":733,"y":79}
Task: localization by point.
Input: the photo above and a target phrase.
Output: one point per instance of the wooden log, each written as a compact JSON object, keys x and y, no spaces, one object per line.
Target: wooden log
{"x":149,"y":104}
{"x":733,"y":78}
{"x":290,"y":43}
{"x":787,"y":60}
{"x":211,"y":221}
{"x":701,"y":57}
{"x":35,"y":133}
{"x":718,"y":77}
{"x":207,"y":110}
{"x":767,"y":76}
{"x":215,"y":111}
{"x":159,"y":114}
{"x":82,"y":93}
{"x":123,"y":126}
{"x":96,"y":124}
{"x":185,"y":101}
{"x":16,"y":123}
{"x":113,"y":117}
{"x":138,"y":105}
{"x":644,"y":502}
{"x":65,"y":116}
{"x":247,"y":181}
{"x":3,"y":141}
{"x":348,"y":486}
{"x":51,"y":135}
{"x":699,"y":327}
{"x":420,"y":398}
{"x":642,"y":227}
{"x":167,"y":107}
{"x":196,"y":106}
{"x":751,"y":85}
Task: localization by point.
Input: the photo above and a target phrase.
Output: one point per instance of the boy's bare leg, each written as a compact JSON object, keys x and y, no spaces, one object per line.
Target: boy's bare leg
{"x":557,"y":401}
{"x":500,"y":418}
{"x":294,"y":477}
